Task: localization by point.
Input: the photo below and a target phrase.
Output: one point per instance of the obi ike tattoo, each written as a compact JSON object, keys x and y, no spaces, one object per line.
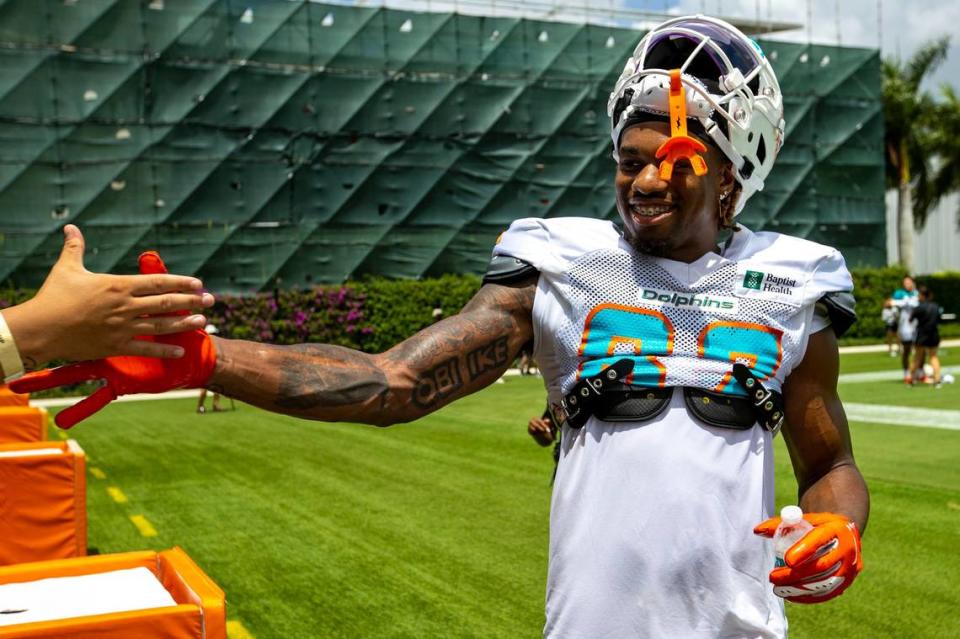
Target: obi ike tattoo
{"x":447,"y":360}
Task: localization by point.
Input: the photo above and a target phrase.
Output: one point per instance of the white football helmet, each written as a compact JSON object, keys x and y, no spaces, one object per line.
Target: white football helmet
{"x":731,"y":92}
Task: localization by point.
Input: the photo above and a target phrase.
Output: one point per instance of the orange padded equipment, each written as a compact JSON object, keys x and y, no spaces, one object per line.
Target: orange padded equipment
{"x":822,"y":564}
{"x":43,"y":501}
{"x":23,"y":424}
{"x":126,"y":375}
{"x":9,"y":398}
{"x":680,"y":146}
{"x":198,"y":610}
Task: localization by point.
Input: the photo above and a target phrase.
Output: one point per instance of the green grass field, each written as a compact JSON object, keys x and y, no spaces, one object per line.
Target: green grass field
{"x":439,"y":528}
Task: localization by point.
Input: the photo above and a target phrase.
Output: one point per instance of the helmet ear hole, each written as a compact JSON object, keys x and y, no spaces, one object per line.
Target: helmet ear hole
{"x":761,"y":151}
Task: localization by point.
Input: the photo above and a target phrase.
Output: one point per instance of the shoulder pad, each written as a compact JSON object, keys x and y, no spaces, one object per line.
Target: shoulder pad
{"x":551,"y":245}
{"x":504,"y":269}
{"x":841,"y":307}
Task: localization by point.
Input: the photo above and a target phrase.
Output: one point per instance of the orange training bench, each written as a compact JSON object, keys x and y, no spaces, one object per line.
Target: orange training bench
{"x":43,"y":501}
{"x":147,"y":595}
{"x":23,"y":424}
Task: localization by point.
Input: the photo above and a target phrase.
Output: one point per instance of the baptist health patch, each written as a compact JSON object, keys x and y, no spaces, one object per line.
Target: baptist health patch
{"x":765,"y":284}
{"x":715,"y":303}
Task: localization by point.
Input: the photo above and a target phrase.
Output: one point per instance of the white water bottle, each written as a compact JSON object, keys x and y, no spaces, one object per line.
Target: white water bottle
{"x":792,"y":527}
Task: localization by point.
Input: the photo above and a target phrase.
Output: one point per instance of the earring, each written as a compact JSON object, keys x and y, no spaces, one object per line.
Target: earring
{"x":724,"y":195}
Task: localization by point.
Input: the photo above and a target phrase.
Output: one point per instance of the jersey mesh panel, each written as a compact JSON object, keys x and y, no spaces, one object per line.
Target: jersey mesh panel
{"x":615,"y":277}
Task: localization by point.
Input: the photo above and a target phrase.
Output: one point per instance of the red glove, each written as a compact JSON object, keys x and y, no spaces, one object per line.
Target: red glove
{"x":125,"y":375}
{"x":822,"y":564}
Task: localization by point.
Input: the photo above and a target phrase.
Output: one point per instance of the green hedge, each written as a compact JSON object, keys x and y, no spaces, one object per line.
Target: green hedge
{"x":396,"y":309}
{"x":370,"y":315}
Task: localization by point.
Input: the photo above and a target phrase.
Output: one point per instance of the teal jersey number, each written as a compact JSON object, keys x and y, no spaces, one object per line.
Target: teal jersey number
{"x":612,"y":332}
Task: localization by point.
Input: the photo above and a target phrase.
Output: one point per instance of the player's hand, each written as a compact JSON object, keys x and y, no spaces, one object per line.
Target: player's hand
{"x":131,"y":374}
{"x":822,"y":564}
{"x":78,"y":315}
{"x":541,"y":429}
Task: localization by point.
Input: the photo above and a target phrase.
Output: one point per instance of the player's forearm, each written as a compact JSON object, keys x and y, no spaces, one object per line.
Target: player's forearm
{"x":842,"y":490}
{"x":438,"y":365}
{"x":315,"y":381}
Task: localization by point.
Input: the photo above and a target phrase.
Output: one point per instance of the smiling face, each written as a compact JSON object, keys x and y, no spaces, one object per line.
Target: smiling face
{"x":678,"y":219}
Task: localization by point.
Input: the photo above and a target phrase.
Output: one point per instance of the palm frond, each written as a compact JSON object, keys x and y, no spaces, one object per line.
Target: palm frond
{"x":925,"y":61}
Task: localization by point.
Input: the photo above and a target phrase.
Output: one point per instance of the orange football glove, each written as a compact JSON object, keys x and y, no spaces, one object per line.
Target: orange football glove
{"x":125,"y":375}
{"x":822,"y":564}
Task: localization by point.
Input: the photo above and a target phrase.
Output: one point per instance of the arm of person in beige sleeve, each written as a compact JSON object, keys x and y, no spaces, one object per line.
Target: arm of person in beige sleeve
{"x":79,"y":315}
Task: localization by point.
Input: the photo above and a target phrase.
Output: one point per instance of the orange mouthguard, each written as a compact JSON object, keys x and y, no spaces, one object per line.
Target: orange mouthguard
{"x":680,"y":146}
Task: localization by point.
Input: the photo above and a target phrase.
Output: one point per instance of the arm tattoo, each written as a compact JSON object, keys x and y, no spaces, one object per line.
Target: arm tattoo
{"x":445,"y":379}
{"x":346,"y":377}
{"x":464,"y":353}
{"x":447,"y":360}
{"x":488,"y":357}
{"x":438,"y":383}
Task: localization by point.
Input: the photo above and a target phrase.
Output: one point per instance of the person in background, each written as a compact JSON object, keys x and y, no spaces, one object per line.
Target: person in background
{"x":927,"y":316}
{"x":78,"y":315}
{"x":889,"y":317}
{"x":905,"y":299}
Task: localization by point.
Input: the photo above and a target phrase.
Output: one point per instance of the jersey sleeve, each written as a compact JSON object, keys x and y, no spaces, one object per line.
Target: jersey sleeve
{"x":528,"y":240}
{"x":550,"y":245}
{"x":831,"y":285}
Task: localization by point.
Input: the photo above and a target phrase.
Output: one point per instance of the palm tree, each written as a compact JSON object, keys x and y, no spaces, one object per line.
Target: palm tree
{"x":905,"y":108}
{"x":943,"y":140}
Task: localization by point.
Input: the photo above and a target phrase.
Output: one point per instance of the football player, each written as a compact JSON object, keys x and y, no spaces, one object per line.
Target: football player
{"x":673,"y":349}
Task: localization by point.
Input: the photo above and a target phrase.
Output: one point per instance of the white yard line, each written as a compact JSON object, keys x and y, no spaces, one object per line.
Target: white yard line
{"x":903,"y":416}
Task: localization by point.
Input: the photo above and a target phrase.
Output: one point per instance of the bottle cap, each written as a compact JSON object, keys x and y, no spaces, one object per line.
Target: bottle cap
{"x":791,"y":515}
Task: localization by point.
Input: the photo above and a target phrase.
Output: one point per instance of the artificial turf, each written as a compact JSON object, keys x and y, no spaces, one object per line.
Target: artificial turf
{"x":439,"y":528}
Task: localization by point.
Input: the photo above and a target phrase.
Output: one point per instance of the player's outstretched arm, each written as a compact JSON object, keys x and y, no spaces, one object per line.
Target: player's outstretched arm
{"x":441,"y":363}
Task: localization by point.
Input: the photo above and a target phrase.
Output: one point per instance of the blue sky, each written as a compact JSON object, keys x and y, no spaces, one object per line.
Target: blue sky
{"x":905,"y":25}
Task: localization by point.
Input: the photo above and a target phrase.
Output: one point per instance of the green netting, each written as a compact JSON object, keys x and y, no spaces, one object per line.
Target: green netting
{"x":274,"y":140}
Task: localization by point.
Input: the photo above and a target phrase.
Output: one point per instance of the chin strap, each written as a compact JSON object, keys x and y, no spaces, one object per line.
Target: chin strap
{"x":680,"y":146}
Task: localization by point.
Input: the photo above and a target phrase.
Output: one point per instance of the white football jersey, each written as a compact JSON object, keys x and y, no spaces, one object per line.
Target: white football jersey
{"x":651,"y":522}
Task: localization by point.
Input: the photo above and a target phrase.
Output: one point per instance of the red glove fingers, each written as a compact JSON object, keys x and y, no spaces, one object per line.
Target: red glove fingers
{"x":63,"y":376}
{"x":151,"y":263}
{"x":72,"y":415}
{"x":53,"y":377}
